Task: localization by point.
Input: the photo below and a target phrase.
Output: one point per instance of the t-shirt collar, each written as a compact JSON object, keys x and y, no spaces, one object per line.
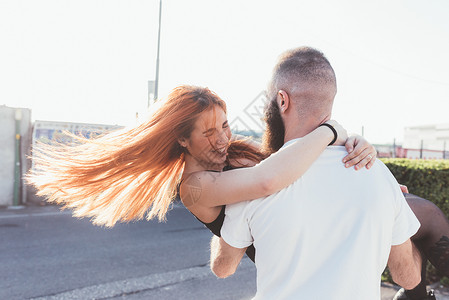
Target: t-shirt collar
{"x":290,"y":142}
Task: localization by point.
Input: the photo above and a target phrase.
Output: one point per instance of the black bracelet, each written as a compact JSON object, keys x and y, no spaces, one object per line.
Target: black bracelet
{"x":333,"y":130}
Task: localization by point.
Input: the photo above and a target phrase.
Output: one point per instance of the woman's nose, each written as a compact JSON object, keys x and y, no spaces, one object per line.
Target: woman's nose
{"x":223,"y":138}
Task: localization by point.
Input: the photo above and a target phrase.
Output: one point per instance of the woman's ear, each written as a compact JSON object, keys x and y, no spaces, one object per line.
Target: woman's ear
{"x":182,"y":142}
{"x":283,"y":100}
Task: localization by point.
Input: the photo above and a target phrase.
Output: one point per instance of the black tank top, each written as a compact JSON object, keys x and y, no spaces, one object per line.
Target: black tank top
{"x":215,"y":225}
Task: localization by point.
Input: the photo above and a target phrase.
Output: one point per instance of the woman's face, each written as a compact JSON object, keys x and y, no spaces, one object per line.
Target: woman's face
{"x":209,"y":139}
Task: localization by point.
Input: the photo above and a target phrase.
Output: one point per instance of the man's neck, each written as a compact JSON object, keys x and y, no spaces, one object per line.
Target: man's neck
{"x":300,"y":128}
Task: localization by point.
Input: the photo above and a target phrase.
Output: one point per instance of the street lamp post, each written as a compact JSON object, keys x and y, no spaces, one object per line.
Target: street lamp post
{"x":150,"y":92}
{"x":156,"y":81}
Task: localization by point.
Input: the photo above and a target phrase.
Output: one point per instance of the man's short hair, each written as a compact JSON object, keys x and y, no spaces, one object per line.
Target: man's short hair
{"x":300,"y":65}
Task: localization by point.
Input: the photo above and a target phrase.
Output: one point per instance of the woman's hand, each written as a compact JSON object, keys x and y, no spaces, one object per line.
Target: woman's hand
{"x":360,"y":153}
{"x":342,"y":135}
{"x":404,"y":188}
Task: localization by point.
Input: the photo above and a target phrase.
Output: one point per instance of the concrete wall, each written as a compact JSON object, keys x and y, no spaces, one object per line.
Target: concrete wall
{"x":7,"y":152}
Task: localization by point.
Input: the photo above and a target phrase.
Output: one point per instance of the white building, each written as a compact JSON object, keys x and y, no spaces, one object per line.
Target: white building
{"x":47,"y":131}
{"x":428,"y":141}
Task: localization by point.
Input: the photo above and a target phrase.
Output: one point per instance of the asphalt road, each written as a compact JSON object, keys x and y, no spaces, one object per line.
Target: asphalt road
{"x":48,"y":254}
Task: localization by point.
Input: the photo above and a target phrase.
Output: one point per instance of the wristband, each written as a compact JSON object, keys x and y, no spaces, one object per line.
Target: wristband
{"x":333,"y":130}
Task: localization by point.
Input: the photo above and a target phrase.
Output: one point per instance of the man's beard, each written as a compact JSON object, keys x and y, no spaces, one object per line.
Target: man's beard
{"x":273,"y":137}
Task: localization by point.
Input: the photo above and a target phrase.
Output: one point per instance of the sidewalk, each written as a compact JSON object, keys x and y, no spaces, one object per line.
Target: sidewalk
{"x":30,"y":210}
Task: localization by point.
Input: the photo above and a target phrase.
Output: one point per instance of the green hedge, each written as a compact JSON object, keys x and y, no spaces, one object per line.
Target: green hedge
{"x":428,"y":179}
{"x":425,"y":178}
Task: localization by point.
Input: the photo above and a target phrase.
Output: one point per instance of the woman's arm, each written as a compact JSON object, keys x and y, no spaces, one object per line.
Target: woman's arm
{"x":271,"y":175}
{"x":360,"y":152}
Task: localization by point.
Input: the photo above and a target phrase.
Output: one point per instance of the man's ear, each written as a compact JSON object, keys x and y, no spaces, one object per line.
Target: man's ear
{"x":283,"y":101}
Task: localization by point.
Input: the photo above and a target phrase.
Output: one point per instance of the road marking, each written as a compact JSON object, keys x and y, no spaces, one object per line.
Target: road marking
{"x":139,"y":284}
{"x":56,"y":213}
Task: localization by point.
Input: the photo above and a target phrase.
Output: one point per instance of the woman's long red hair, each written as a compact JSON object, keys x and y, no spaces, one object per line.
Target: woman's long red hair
{"x":124,"y":175}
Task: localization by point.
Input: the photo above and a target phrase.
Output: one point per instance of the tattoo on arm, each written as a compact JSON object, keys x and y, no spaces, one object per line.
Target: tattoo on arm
{"x":192,"y":186}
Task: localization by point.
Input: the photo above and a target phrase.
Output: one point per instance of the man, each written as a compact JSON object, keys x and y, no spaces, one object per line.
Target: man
{"x":330,"y":234}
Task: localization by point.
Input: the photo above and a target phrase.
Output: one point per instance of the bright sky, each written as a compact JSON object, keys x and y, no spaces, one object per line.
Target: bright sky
{"x":90,"y":60}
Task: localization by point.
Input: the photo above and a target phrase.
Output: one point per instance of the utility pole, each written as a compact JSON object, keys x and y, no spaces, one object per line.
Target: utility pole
{"x":444,"y":150}
{"x":421,"y":150}
{"x":394,"y":148}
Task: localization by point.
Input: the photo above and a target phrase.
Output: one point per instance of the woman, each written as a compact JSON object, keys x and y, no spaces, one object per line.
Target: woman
{"x":125,"y":175}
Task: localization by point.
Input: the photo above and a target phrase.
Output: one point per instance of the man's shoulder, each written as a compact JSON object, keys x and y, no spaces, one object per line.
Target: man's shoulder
{"x":244,"y":207}
{"x":333,"y":154}
{"x":237,"y":207}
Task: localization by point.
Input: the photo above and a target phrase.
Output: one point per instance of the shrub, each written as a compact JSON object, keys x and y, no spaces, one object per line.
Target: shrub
{"x":428,"y":179}
{"x":425,"y":178}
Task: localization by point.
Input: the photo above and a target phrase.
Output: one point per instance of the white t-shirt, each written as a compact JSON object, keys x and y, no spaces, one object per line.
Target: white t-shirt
{"x":326,"y":236}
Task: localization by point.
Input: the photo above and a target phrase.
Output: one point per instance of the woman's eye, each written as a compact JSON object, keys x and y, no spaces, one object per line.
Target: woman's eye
{"x":209,"y":132}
